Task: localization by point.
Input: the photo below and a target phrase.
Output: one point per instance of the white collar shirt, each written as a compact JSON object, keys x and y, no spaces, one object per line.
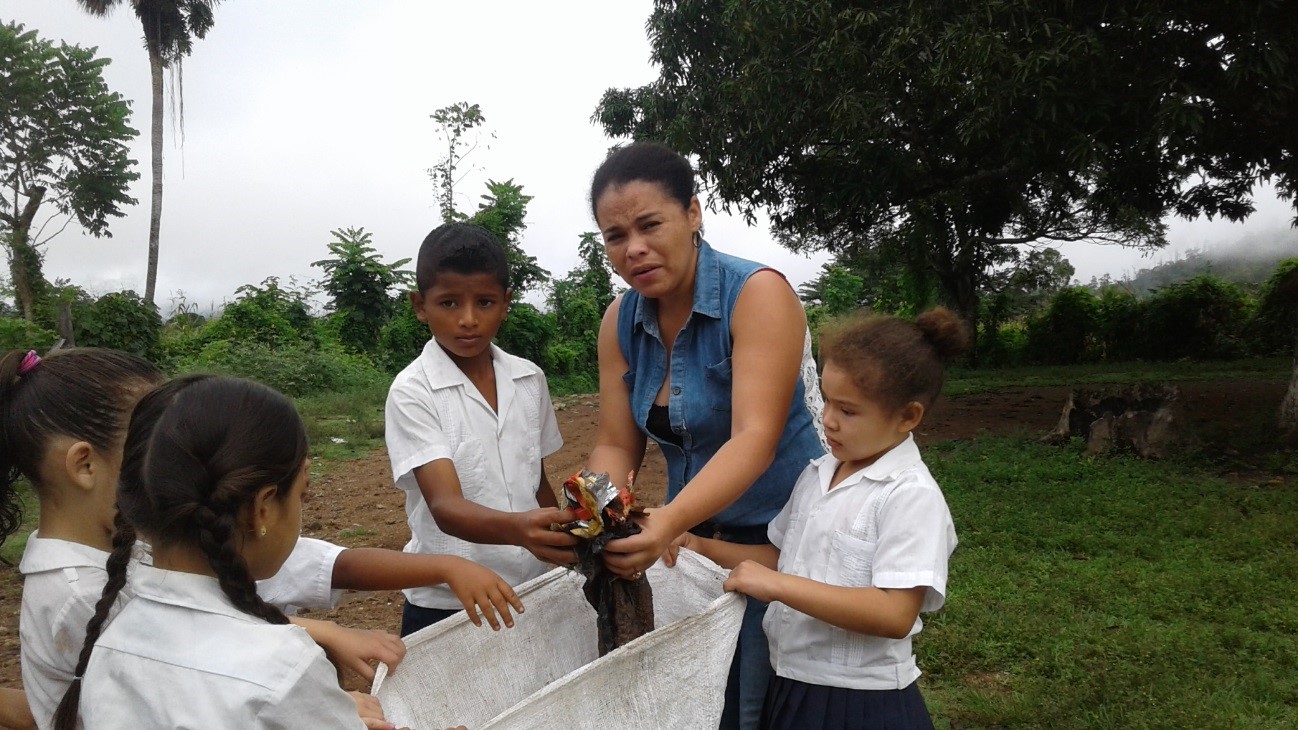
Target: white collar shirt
{"x":435,"y":412}
{"x":180,"y":655}
{"x":62,"y":582}
{"x":885,"y":526}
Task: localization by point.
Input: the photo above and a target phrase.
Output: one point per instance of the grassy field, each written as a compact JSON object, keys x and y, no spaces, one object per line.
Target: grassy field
{"x":961,"y":381}
{"x":1112,"y":593}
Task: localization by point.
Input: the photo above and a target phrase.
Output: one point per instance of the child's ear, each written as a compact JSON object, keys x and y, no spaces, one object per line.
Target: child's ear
{"x":263,"y":509}
{"x":509,"y":298}
{"x":417,"y":303}
{"x":80,"y":464}
{"x":911,"y":414}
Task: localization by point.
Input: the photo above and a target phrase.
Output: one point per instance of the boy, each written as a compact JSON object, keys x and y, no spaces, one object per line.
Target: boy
{"x":468,"y":425}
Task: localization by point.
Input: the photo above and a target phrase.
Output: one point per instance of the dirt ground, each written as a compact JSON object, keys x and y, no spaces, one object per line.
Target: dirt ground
{"x":355,"y":503}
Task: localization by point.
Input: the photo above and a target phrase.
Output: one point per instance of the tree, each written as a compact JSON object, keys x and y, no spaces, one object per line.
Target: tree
{"x":63,"y":142}
{"x":948,"y":131}
{"x":361,"y":288}
{"x":502,"y":212}
{"x":170,"y":27}
{"x":578,"y":301}
{"x":454,"y":122}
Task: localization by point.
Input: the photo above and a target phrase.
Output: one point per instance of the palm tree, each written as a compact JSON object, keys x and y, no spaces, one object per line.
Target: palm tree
{"x":170,"y":27}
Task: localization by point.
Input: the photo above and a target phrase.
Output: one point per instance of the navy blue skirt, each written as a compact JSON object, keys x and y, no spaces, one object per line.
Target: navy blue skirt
{"x":794,"y":705}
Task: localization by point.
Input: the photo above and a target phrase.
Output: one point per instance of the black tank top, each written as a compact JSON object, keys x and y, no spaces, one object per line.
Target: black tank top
{"x":659,"y":424}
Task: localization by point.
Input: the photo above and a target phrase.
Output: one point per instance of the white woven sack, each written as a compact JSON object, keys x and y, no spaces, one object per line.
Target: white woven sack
{"x":544,"y":672}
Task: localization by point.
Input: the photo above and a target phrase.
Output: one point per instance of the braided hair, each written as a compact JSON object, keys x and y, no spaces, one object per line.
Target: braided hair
{"x":197,"y":452}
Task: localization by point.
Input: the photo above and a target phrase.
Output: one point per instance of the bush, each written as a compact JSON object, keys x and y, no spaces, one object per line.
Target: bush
{"x":19,"y":334}
{"x":527,"y":332}
{"x":1066,"y":332}
{"x":121,"y":321}
{"x":1201,"y":318}
{"x":1006,"y":347}
{"x":1275,"y":321}
{"x":402,"y":339}
{"x":1120,"y":317}
{"x":265,"y":314}
{"x":295,"y":370}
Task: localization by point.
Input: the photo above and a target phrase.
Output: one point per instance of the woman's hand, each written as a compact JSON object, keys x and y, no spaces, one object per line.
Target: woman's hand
{"x":751,"y":578}
{"x":482,"y":591}
{"x":630,"y":557}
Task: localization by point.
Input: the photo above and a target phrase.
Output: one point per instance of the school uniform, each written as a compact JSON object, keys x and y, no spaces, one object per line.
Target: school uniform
{"x":435,"y":412}
{"x":886,"y":526}
{"x":305,"y":580}
{"x":62,"y":582}
{"x":181,"y":655}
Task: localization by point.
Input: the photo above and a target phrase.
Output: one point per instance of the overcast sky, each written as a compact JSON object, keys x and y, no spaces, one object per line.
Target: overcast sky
{"x":303,"y":117}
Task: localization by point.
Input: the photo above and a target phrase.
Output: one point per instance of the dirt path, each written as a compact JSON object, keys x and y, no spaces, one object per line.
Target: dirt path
{"x":355,"y":503}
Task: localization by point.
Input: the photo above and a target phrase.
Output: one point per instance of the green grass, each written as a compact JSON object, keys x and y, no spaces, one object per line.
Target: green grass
{"x":962,"y":382}
{"x":1111,"y":592}
{"x":344,"y":425}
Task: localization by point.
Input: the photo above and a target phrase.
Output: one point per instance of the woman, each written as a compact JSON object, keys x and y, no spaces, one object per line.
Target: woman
{"x":708,"y":354}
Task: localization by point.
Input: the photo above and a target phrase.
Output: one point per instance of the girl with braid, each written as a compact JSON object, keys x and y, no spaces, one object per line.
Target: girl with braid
{"x":62,"y":422}
{"x":213,"y":475}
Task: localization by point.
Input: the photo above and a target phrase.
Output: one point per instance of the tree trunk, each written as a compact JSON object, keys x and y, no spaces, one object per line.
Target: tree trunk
{"x":1287,"y":419}
{"x":25,"y":270}
{"x":155,"y":210}
{"x":24,"y":259}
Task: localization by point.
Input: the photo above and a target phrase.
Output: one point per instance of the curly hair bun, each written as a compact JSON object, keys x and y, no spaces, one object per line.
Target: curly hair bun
{"x":947,"y":333}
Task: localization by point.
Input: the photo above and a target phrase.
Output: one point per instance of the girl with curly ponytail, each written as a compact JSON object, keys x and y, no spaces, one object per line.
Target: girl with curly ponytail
{"x":861,"y":548}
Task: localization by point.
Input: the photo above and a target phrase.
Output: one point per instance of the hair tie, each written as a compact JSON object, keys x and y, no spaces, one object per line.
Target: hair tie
{"x":29,"y":363}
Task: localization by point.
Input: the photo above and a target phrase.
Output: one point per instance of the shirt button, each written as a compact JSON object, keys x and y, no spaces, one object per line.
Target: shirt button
{"x":676,"y":390}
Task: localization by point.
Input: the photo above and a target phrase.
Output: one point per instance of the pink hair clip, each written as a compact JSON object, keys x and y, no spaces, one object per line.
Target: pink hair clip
{"x":29,"y":363}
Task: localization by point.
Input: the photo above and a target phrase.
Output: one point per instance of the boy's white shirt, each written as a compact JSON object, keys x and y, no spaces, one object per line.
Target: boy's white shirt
{"x":180,"y":654}
{"x":435,"y":412}
{"x":62,"y":582}
{"x":886,"y":526}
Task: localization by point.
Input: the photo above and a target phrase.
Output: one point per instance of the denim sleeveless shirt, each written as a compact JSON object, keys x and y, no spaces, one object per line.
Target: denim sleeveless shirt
{"x":699,"y":400}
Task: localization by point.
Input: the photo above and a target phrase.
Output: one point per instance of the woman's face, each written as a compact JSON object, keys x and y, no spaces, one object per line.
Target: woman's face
{"x":649,"y":237}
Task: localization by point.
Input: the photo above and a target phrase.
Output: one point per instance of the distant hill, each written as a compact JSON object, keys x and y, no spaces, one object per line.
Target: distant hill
{"x":1247,"y":262}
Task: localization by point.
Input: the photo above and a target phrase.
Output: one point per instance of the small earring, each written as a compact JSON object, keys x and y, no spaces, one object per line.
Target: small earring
{"x":263,"y":531}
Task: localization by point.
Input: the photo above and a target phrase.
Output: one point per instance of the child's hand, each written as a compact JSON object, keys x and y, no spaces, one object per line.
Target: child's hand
{"x":751,"y":578}
{"x":371,"y":712}
{"x":355,"y":649}
{"x":674,"y":549}
{"x":549,"y":546}
{"x":481,"y":590}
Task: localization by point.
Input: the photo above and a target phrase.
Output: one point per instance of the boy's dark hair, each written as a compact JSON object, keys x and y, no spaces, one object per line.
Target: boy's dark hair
{"x":198,"y":450}
{"x":892,"y":360}
{"x":461,"y":248}
{"x":84,"y":393}
{"x":649,"y":162}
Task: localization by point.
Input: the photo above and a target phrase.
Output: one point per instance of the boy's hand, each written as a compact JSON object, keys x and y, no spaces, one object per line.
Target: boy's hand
{"x":549,"y":546}
{"x":751,"y":578}
{"x":481,"y":590}
{"x":355,"y":649}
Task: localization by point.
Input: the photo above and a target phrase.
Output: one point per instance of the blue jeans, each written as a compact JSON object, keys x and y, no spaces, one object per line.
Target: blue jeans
{"x":750,"y":671}
{"x":414,"y":618}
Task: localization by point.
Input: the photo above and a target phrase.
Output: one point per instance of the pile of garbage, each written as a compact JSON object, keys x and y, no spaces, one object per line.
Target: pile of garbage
{"x":624,"y":608}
